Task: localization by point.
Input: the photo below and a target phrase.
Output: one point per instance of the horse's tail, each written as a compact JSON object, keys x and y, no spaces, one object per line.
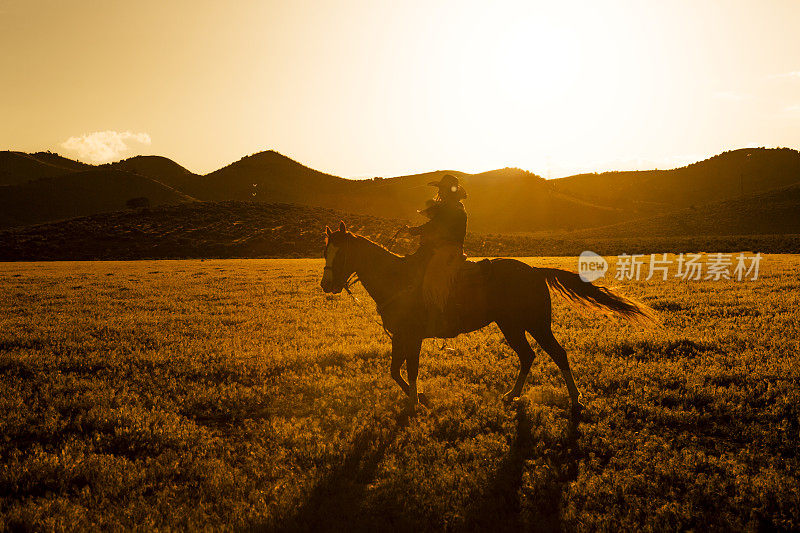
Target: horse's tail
{"x":577,"y":291}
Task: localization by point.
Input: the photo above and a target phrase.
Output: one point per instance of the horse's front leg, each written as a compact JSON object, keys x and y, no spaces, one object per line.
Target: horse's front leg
{"x":406,"y":349}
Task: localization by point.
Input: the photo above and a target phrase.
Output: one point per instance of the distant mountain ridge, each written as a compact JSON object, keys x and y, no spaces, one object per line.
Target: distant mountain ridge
{"x":728,"y":175}
{"x":772,"y":212}
{"x":157,"y":167}
{"x":78,"y":194}
{"x":506,"y":200}
{"x":17,"y":168}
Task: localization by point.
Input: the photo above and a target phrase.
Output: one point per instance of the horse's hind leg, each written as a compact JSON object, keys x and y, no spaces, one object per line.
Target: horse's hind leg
{"x":399,"y":352}
{"x":515,"y":336}
{"x":544,"y":336}
{"x":412,"y":369}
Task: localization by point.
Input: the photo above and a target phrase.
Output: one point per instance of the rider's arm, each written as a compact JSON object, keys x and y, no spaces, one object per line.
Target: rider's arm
{"x":419,"y":230}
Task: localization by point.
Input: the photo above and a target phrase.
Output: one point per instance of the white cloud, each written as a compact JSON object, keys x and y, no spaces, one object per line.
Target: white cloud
{"x":793,"y":109}
{"x":104,"y":146}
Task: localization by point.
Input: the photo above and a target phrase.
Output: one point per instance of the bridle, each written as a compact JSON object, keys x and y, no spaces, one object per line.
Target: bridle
{"x":353,"y":279}
{"x":342,"y":253}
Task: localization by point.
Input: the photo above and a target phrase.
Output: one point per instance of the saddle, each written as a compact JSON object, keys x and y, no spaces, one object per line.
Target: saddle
{"x":468,"y":300}
{"x":473,"y":273}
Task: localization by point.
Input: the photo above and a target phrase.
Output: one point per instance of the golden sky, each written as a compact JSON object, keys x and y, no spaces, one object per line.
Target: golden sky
{"x":383,"y":88}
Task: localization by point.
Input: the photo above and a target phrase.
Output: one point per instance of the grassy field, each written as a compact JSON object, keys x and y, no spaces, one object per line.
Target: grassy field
{"x":233,"y":393}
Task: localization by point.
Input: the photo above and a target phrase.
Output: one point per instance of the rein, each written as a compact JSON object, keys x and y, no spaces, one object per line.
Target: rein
{"x":393,"y":239}
{"x":353,"y":279}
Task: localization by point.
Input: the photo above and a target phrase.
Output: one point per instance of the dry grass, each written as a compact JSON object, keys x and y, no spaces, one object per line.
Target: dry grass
{"x":176,"y":394}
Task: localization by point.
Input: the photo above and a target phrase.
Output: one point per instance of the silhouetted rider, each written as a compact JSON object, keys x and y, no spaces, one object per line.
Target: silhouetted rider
{"x":441,"y":243}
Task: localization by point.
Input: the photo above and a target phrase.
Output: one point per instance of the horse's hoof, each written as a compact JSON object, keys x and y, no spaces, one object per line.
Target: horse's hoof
{"x":423,"y":399}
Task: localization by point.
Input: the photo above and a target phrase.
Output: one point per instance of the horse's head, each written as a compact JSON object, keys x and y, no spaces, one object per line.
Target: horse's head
{"x":338,"y":267}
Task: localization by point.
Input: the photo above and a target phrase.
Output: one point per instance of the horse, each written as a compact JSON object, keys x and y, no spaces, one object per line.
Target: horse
{"x":508,"y":292}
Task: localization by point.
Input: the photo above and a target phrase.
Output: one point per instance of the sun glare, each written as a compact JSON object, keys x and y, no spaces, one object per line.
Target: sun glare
{"x":367,"y":88}
{"x":531,"y":83}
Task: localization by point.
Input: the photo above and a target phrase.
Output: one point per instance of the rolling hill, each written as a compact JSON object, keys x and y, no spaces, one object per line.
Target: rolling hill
{"x":79,"y":193}
{"x":17,"y":168}
{"x":500,"y":200}
{"x":506,"y":200}
{"x":727,"y":175}
{"x":270,"y":177}
{"x":161,"y":169}
{"x":776,"y":212}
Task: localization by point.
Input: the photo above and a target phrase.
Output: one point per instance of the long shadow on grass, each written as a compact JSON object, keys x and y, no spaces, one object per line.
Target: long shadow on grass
{"x":507,"y":505}
{"x":335,"y":503}
{"x":295,"y":399}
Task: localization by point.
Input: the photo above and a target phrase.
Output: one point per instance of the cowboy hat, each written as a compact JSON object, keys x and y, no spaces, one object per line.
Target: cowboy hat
{"x":449,"y":185}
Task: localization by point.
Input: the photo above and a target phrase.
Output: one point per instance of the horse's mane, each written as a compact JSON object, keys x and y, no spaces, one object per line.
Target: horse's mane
{"x":375,"y":244}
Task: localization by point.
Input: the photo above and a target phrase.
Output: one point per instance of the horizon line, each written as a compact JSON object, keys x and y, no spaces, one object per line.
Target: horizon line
{"x":690,"y":161}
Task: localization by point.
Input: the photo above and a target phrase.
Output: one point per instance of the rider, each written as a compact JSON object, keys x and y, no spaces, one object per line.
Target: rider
{"x":441,"y":243}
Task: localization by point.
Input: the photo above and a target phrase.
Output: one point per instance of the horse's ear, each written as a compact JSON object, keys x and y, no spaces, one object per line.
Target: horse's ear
{"x":328,"y":231}
{"x":342,"y":227}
